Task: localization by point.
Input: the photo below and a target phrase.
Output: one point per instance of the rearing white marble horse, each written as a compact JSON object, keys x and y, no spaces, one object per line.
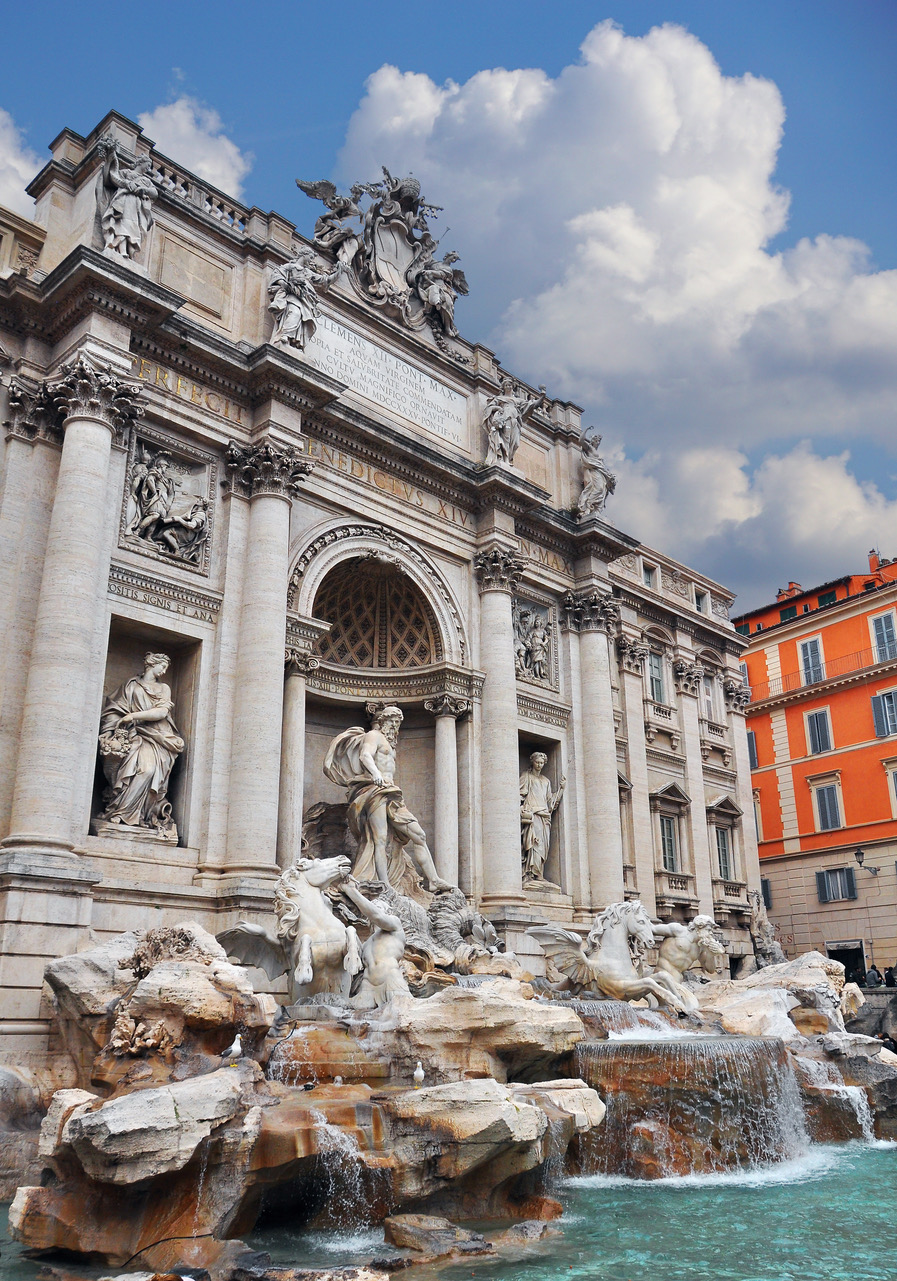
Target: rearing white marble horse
{"x":313,"y":947}
{"x":603,"y":963}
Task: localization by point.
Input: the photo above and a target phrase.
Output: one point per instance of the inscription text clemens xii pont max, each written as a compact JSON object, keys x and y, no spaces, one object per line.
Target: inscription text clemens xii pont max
{"x":385,"y":379}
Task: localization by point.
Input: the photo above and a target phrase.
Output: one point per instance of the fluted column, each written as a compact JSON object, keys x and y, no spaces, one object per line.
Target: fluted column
{"x":297,"y":665}
{"x":269,"y":475}
{"x":498,"y":571}
{"x":632,"y":655}
{"x":447,"y":711}
{"x":594,"y":616}
{"x":688,"y":676}
{"x":93,"y":402}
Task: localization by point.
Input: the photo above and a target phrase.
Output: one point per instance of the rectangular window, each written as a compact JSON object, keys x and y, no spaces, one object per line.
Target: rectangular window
{"x":669,"y":843}
{"x":752,"y":748}
{"x":701,"y":602}
{"x":885,"y":638}
{"x":649,"y":575}
{"x":884,"y":714}
{"x":709,"y":710}
{"x":655,"y":676}
{"x":836,"y":884}
{"x":811,"y":661}
{"x":744,"y":629}
{"x":758,"y":830}
{"x":790,"y":611}
{"x":827,"y":808}
{"x":827,"y":598}
{"x":724,"y":853}
{"x":766,"y":891}
{"x":818,"y":732}
{"x":742,"y":667}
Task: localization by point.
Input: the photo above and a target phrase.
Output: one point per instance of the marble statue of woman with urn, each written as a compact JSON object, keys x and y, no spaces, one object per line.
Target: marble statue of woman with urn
{"x":139,"y":744}
{"x":537,"y":806}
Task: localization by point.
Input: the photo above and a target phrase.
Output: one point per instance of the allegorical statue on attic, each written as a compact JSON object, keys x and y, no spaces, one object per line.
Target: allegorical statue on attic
{"x":598,"y":481}
{"x":392,"y":253}
{"x":503,"y":420}
{"x":293,"y":298}
{"x":126,"y":193}
{"x":364,"y":762}
{"x":139,"y":744}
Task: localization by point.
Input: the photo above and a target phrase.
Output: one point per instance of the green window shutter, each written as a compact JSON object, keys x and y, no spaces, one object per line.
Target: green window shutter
{"x":822,"y":887}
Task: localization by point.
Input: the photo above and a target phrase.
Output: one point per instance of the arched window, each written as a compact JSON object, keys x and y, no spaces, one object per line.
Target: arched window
{"x":379,"y":617}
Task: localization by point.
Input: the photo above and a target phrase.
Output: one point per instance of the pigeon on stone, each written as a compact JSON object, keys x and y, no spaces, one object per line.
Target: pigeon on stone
{"x":418,"y":1076}
{"x":234,"y":1051}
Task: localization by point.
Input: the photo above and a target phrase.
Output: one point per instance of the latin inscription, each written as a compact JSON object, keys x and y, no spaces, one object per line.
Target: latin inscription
{"x":542,"y":556}
{"x":385,"y":379}
{"x":162,"y":379}
{"x":379,"y":479}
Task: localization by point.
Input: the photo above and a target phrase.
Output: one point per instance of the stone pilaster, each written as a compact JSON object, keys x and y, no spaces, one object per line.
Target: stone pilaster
{"x":269,"y":476}
{"x":92,"y":403}
{"x":298,"y":663}
{"x":688,"y":676}
{"x":447,"y":711}
{"x":498,"y":569}
{"x":738,"y":697}
{"x":594,"y":616}
{"x":632,"y":654}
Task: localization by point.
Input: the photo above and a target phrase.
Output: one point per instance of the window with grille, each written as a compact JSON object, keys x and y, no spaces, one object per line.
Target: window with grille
{"x":884,"y":713}
{"x":669,"y":842}
{"x":827,"y":809}
{"x":724,"y":853}
{"x":378,"y":617}
{"x":811,"y":661}
{"x":819,"y":735}
{"x":836,"y":883}
{"x":655,"y":676}
{"x":885,"y":638}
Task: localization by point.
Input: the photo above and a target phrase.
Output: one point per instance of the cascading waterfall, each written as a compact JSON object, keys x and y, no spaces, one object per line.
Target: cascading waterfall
{"x":692,"y":1106}
{"x":826,"y":1078}
{"x":616,"y":1017}
{"x":342,"y":1164}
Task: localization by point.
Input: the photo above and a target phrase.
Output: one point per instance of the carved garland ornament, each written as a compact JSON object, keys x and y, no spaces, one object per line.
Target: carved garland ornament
{"x":277,"y":470}
{"x":393,"y":541}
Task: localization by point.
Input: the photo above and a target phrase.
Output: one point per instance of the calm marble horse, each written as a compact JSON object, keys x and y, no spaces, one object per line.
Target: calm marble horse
{"x":603,"y":963}
{"x":312,"y":946}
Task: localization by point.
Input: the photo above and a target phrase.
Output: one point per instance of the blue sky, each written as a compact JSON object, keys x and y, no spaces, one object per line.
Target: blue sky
{"x":608,"y":252}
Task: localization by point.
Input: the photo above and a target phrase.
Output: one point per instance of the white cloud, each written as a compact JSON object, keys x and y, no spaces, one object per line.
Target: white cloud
{"x":18,"y":165}
{"x":192,"y":134}
{"x":614,"y":223}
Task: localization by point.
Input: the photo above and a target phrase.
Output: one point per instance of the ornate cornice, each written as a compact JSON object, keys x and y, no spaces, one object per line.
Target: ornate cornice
{"x":590,"y":611}
{"x":148,"y":589}
{"x":547,"y":710}
{"x":266,"y":469}
{"x":498,"y":569}
{"x":632,"y":654}
{"x":89,"y":388}
{"x":447,"y":705}
{"x":408,"y":685}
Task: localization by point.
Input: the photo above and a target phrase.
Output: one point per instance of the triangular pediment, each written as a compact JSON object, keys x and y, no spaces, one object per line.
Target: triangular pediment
{"x":670,"y":794}
{"x":724,"y":807}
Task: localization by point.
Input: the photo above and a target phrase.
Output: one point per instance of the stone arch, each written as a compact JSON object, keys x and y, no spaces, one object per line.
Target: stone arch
{"x":338,"y":543}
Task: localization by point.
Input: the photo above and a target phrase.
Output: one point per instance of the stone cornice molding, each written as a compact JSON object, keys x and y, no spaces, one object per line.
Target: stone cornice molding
{"x":89,"y":388}
{"x":507,"y":490}
{"x":547,"y":710}
{"x":412,"y":685}
{"x":498,"y":569}
{"x":448,"y":705}
{"x":632,"y":655}
{"x":590,"y":611}
{"x":276,"y":374}
{"x":266,"y":470}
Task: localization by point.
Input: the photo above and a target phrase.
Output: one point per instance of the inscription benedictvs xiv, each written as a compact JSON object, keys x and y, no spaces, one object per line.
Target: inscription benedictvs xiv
{"x":387,"y":380}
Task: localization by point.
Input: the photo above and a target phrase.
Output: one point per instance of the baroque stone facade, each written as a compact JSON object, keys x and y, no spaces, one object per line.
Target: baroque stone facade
{"x":307,"y":508}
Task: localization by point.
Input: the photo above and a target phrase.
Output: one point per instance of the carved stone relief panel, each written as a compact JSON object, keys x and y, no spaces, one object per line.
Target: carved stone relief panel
{"x":168,"y":503}
{"x":535,"y":642}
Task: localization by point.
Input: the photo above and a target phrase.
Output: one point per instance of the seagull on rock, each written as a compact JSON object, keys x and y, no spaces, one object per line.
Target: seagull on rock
{"x":234,"y":1051}
{"x":418,"y":1076}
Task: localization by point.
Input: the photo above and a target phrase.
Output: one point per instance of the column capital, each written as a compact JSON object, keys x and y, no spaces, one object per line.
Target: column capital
{"x":299,"y":662}
{"x":591,"y":611}
{"x":687,"y":676}
{"x":737,"y":695}
{"x":632,"y":654}
{"x":447,"y":705}
{"x":32,"y":413}
{"x":266,"y":468}
{"x":89,"y":388}
{"x":498,"y":568}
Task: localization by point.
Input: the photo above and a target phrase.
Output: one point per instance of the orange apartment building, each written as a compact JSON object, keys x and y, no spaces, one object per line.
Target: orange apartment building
{"x":822,"y":734}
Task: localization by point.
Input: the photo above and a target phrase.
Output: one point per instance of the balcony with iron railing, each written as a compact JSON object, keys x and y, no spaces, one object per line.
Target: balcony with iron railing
{"x":829,"y":669}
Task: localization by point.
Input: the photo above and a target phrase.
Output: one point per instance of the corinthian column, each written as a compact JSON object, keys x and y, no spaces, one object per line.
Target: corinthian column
{"x":594,"y":616}
{"x":269,"y":476}
{"x":93,"y":402}
{"x":297,"y":665}
{"x":447,"y":710}
{"x":498,"y":571}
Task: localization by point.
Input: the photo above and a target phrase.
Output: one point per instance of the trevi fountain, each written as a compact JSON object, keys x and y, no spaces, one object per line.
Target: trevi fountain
{"x":379,"y":882}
